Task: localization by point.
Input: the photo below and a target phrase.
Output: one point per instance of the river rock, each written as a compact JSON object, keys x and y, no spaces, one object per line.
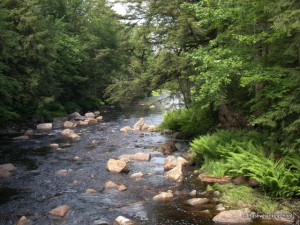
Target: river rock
{"x":73,"y":115}
{"x":283,"y":217}
{"x":29,"y":133}
{"x":7,"y":170}
{"x":233,"y":217}
{"x":172,"y":161}
{"x":21,"y":138}
{"x":137,"y":175}
{"x":122,"y":187}
{"x":92,"y":121}
{"x":117,"y":166}
{"x":139,"y":124}
{"x":83,"y":123}
{"x":145,"y":127}
{"x":121,"y":220}
{"x":212,"y":179}
{"x":90,"y":190}
{"x":44,"y":126}
{"x":54,"y":145}
{"x":140,"y":156}
{"x":197,"y":201}
{"x":58,"y":122}
{"x":101,"y":222}
{"x":175,"y":174}
{"x":60,"y":211}
{"x":90,"y":115}
{"x":164,"y":196}
{"x":97,"y":113}
{"x":69,"y":124}
{"x":193,"y":193}
{"x":220,"y":207}
{"x":24,"y":221}
{"x":99,"y":118}
{"x":190,"y":156}
{"x":110,"y":185}
{"x":62,"y":172}
{"x":70,"y":134}
{"x":168,"y":148}
{"x":125,"y":129}
{"x":152,"y":128}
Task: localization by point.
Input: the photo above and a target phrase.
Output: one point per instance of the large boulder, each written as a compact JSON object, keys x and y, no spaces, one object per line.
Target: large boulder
{"x":60,"y":211}
{"x":233,"y":217}
{"x":117,"y":166}
{"x":69,"y":124}
{"x":175,"y":174}
{"x":140,"y":156}
{"x":139,"y":124}
{"x":7,"y":170}
{"x":197,"y":201}
{"x":70,"y":134}
{"x":44,"y":126}
{"x":164,"y":196}
{"x":168,"y":148}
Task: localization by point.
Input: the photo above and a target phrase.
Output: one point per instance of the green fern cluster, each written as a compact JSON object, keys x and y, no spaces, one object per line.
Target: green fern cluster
{"x":190,"y":122}
{"x":238,"y":153}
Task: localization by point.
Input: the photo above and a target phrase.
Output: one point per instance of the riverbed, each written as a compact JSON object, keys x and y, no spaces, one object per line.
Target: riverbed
{"x":36,"y":187}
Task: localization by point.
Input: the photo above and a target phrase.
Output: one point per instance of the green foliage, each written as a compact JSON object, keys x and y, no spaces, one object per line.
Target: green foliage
{"x":237,"y":196}
{"x":190,"y":122}
{"x":241,"y":153}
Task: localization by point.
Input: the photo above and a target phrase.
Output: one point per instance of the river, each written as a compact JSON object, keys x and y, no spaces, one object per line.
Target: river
{"x":35,"y":188}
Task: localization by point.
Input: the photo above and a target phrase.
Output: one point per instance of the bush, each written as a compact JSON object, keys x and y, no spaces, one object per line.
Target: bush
{"x":191,"y":122}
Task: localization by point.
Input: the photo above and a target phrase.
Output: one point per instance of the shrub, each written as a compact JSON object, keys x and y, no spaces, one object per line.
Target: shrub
{"x":191,"y":122}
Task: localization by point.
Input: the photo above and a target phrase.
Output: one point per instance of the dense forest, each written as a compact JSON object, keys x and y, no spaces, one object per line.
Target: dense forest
{"x":236,"y":63}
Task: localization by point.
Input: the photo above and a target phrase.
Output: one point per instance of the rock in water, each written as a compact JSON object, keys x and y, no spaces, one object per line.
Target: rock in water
{"x":7,"y":170}
{"x":121,"y":220}
{"x":44,"y":126}
{"x":70,"y":134}
{"x":60,"y":211}
{"x":69,"y":124}
{"x":164,"y":196}
{"x":175,"y":174}
{"x":168,"y":148}
{"x":117,"y":166}
{"x":24,"y":221}
{"x":140,"y":156}
{"x":139,"y":124}
{"x":233,"y":217}
{"x":125,"y":129}
{"x":197,"y":201}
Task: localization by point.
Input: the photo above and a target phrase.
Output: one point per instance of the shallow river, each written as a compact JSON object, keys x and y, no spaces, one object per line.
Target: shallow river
{"x":35,"y":189}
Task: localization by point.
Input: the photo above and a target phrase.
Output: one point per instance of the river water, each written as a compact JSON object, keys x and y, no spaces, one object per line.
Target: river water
{"x":35,"y":188}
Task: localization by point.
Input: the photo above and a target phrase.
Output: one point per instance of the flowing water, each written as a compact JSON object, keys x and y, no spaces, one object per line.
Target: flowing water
{"x":35,"y":188}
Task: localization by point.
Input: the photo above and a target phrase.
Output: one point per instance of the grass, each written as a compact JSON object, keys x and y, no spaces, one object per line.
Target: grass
{"x":237,"y":196}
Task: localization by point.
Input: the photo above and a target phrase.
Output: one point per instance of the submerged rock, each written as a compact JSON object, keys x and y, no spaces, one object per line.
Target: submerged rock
{"x":233,"y":217}
{"x":117,"y":166}
{"x":60,"y":211}
{"x":21,"y":138}
{"x":140,"y":156}
{"x":54,"y":145}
